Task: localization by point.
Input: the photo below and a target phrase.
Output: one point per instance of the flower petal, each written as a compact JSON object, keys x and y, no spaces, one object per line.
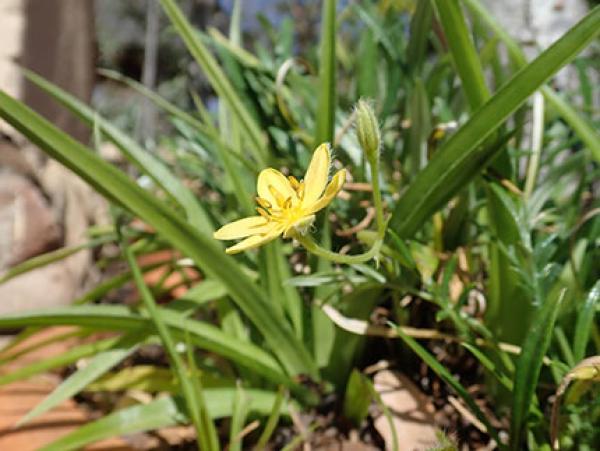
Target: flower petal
{"x":331,"y":191}
{"x":255,"y":241}
{"x":278,"y":182}
{"x":316,"y":174}
{"x":242,"y":228}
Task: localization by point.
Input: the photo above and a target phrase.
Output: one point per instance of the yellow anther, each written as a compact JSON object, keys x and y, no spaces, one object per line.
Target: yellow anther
{"x":300,"y":190}
{"x":263,"y":203}
{"x":263,"y":213}
{"x":288,"y":203}
{"x":277,"y":195}
{"x":294,"y":182}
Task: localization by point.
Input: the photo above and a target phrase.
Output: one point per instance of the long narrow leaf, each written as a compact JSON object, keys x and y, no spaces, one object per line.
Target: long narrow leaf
{"x":325,"y":120}
{"x":529,"y":366}
{"x":162,"y":412}
{"x":193,"y":404}
{"x":96,"y":367}
{"x":42,"y":260}
{"x":58,"y":361}
{"x":109,"y":317}
{"x":585,"y":321}
{"x":463,"y":52}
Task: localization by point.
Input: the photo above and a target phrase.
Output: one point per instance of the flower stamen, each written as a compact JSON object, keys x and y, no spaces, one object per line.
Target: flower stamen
{"x":277,"y":195}
{"x":263,"y":203}
{"x":294,"y":182}
{"x":264,"y":213}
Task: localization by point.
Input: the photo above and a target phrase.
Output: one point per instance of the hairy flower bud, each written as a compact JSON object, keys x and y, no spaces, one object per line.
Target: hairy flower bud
{"x":367,"y":129}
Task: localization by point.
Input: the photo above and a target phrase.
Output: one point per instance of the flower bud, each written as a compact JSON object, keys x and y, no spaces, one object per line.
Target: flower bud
{"x":367,"y":129}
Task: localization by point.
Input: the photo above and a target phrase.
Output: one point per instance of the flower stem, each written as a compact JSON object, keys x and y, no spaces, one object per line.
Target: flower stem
{"x":374,"y":163}
{"x":311,"y":246}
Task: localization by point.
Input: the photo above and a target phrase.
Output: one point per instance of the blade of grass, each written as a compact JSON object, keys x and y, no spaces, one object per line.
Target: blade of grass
{"x":96,"y":367}
{"x":325,"y":119}
{"x":162,"y":412}
{"x":529,"y":366}
{"x":194,"y":408}
{"x":272,"y":420}
{"x":585,"y":322}
{"x":463,"y":52}
{"x":58,"y":361}
{"x":50,"y":257}
{"x":460,"y":159}
{"x":217,"y":79}
{"x":238,"y":418}
{"x":209,"y":434}
{"x":38,"y":345}
{"x":420,"y":25}
{"x":114,"y":185}
{"x":111,"y":317}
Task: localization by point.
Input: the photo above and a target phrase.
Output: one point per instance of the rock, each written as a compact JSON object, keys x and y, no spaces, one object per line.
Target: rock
{"x":412,"y":413}
{"x":28,"y":226}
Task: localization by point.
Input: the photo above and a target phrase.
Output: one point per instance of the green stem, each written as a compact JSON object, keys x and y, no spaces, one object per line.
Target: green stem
{"x":374,"y":162}
{"x":311,"y":246}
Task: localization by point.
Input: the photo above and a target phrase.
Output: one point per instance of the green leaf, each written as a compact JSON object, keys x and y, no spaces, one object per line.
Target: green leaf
{"x":194,"y":400}
{"x":147,"y":378}
{"x":529,"y":366}
{"x":358,"y":397}
{"x":114,"y":185}
{"x":272,"y":420}
{"x":96,"y":367}
{"x":112,"y":317}
{"x":420,"y":25}
{"x":325,"y":120}
{"x":57,"y":361}
{"x":463,"y":52}
{"x":51,"y":257}
{"x":162,"y":412}
{"x":217,"y":79}
{"x":460,"y":158}
{"x":238,"y":418}
{"x":585,"y":322}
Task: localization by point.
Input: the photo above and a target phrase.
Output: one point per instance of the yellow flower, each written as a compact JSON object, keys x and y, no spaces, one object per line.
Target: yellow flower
{"x":285,"y":204}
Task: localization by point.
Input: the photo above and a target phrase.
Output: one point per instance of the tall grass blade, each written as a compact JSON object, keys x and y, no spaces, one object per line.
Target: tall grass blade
{"x":118,"y":318}
{"x":463,"y":52}
{"x":585,"y":322}
{"x":96,"y":367}
{"x":529,"y":366}
{"x":193,"y":406}
{"x":162,"y":412}
{"x":325,"y":120}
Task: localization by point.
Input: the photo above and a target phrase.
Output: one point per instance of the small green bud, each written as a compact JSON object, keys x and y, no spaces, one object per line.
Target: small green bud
{"x":367,"y":129}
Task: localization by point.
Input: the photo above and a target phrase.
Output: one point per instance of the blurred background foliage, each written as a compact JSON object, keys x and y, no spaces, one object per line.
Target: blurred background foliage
{"x":491,"y":250}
